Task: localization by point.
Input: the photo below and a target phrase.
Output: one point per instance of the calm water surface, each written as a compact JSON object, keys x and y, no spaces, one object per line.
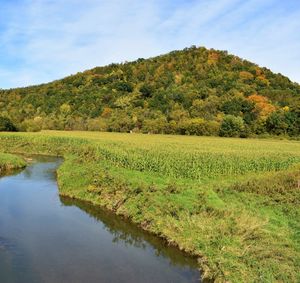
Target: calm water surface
{"x":44,"y":238}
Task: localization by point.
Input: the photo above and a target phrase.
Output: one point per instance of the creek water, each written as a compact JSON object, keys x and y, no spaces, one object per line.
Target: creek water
{"x":45,"y":238}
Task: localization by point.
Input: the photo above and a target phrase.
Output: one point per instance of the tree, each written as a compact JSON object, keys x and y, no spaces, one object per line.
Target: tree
{"x":231,"y":126}
{"x":6,"y":125}
{"x":31,"y":125}
{"x":124,"y":86}
{"x":292,"y":118}
{"x":246,"y":76}
{"x":97,"y":124}
{"x":146,"y":90}
{"x":199,"y":127}
{"x":65,"y":109}
{"x":240,"y":107}
{"x":155,"y":126}
{"x":262,"y":105}
{"x":276,"y":123}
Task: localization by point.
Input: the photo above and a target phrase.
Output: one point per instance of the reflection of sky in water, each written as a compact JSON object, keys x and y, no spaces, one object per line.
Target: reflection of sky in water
{"x":45,"y":239}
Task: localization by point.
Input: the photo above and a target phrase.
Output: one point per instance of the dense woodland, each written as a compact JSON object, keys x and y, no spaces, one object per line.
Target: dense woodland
{"x":195,"y":91}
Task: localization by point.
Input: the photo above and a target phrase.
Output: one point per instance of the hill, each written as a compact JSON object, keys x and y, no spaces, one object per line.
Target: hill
{"x":194,"y":91}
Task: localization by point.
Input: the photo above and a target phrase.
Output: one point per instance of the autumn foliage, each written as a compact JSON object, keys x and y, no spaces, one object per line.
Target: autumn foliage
{"x":195,"y":91}
{"x":262,"y":105}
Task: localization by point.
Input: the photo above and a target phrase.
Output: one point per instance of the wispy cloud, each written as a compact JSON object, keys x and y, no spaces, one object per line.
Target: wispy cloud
{"x":42,"y":40}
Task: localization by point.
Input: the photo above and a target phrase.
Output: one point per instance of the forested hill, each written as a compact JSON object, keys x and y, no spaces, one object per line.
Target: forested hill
{"x":194,"y":91}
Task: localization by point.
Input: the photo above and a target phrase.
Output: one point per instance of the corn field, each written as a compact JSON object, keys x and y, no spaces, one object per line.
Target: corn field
{"x":194,"y":158}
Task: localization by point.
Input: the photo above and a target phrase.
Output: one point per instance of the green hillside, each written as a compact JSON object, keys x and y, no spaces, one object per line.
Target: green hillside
{"x":195,"y":91}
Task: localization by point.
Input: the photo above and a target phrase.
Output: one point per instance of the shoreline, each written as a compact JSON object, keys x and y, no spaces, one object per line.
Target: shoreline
{"x":10,"y":162}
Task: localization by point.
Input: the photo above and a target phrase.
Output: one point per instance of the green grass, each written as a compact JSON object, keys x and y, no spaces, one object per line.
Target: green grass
{"x":233,"y":203}
{"x":10,"y":162}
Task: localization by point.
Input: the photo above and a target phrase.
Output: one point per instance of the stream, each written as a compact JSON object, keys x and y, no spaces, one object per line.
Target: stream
{"x":46,"y":238}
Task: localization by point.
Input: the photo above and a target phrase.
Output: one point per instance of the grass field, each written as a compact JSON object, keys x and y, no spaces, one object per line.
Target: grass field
{"x":10,"y":162}
{"x":233,"y":203}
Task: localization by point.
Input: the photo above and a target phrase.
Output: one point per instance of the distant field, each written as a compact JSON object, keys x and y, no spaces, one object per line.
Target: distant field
{"x":234,"y":203}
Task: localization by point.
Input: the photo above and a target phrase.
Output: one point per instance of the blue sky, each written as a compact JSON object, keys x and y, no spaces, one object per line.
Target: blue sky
{"x":43,"y":40}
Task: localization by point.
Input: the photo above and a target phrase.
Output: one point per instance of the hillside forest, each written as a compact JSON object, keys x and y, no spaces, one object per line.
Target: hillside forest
{"x":195,"y":91}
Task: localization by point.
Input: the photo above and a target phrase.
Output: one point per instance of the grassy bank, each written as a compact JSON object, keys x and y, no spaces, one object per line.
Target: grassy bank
{"x":10,"y":162}
{"x":233,"y":203}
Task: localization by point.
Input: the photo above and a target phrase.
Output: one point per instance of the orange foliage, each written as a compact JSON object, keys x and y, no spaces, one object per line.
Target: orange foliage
{"x":106,"y":112}
{"x":262,"y":105}
{"x":258,"y":71}
{"x":178,"y":78}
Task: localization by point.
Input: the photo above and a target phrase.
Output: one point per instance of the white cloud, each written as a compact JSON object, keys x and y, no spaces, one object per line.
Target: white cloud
{"x":48,"y":39}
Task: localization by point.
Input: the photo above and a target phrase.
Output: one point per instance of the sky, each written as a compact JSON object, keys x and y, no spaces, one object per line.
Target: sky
{"x":44,"y":40}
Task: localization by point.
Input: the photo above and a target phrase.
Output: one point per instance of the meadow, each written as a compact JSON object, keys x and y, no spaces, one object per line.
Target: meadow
{"x":232,"y":203}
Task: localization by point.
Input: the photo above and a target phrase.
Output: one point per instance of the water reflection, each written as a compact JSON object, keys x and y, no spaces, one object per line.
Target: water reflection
{"x":130,"y":234}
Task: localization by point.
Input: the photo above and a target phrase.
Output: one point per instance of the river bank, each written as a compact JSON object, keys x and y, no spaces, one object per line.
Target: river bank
{"x":10,"y":162}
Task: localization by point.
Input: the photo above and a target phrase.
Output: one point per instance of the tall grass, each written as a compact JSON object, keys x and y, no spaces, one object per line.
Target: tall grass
{"x":10,"y":161}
